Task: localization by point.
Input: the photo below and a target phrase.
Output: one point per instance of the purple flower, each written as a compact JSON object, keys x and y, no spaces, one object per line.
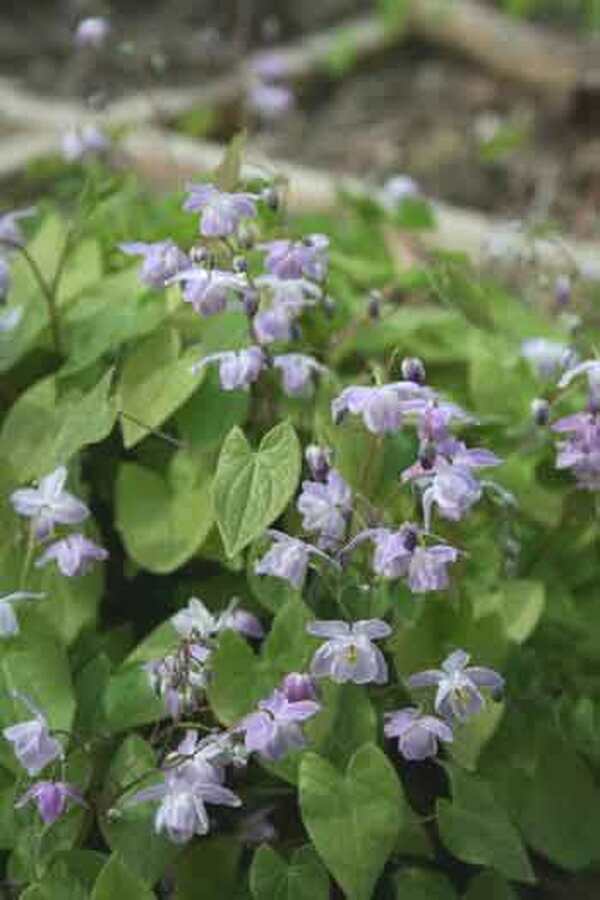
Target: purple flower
{"x":92,"y":32}
{"x":269,"y":66}
{"x":208,"y":290}
{"x":382,"y":408}
{"x":9,"y":624}
{"x":298,"y":259}
{"x":51,"y":799}
{"x":185,"y":790}
{"x":298,"y":686}
{"x":288,"y":558}
{"x":49,"y":503}
{"x":237,"y":369}
{"x":349,"y":654}
{"x":78,"y":144}
{"x":325,"y":508}
{"x":33,"y":745}
{"x":221,"y":211}
{"x":434,"y":420}
{"x":274,"y":324}
{"x":458,"y":695}
{"x":545,"y":357}
{"x":74,"y":555}
{"x":196,"y":621}
{"x":398,"y":554}
{"x":270,"y":101}
{"x":10,"y":230}
{"x":581,"y":450}
{"x":396,"y":190}
{"x":10,"y":317}
{"x":319,"y":461}
{"x":418,"y":735}
{"x":179,"y":678}
{"x":274,"y":730}
{"x":293,"y":294}
{"x":162,"y":261}
{"x":297,"y":370}
{"x":591,"y":368}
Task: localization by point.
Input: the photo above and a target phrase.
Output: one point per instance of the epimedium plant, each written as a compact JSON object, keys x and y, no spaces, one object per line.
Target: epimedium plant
{"x":299,"y":556}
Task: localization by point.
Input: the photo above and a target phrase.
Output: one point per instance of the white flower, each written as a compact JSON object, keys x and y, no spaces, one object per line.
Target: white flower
{"x":49,"y":503}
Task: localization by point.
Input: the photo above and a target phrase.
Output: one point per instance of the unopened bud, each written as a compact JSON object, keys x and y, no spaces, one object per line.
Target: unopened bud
{"x":319,"y":461}
{"x":240,"y":264}
{"x":201,"y":256}
{"x":250,"y":301}
{"x":540,"y":411}
{"x":412,"y":369}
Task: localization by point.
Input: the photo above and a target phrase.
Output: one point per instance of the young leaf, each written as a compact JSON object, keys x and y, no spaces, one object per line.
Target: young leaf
{"x":252,"y":488}
{"x":354,"y":818}
{"x":228,"y":172}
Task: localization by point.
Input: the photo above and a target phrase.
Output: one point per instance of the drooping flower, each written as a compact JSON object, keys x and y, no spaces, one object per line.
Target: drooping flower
{"x":9,"y":624}
{"x":49,"y":503}
{"x":292,"y":294}
{"x":591,"y":368}
{"x":179,"y":678}
{"x":546,"y":358}
{"x":458,"y":686}
{"x":383,"y":407}
{"x":270,"y":101}
{"x":349,"y":653}
{"x":325,"y":508}
{"x":10,"y":231}
{"x":237,"y":369}
{"x":288,"y":558}
{"x":221,"y":212}
{"x":270,"y":66}
{"x":81,"y":143}
{"x":32,"y":743}
{"x":417,"y":734}
{"x":580,"y":451}
{"x":298,"y":686}
{"x":207,"y":290}
{"x":196,"y":621}
{"x":92,"y":32}
{"x":298,"y":259}
{"x":51,"y":799}
{"x":396,"y":190}
{"x":399,"y":554}
{"x":273,"y":324}
{"x":74,"y":555}
{"x":163,"y":260}
{"x":319,"y":460}
{"x":297,"y":371}
{"x":275,"y":729}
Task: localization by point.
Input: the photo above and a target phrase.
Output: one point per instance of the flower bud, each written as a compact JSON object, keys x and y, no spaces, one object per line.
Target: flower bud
{"x":319,"y":461}
{"x":427,"y":454}
{"x":412,"y":369}
{"x":239,"y":264}
{"x":297,"y":686}
{"x":540,"y":411}
{"x":250,"y":302}
{"x":374,"y":305}
{"x":411,"y":538}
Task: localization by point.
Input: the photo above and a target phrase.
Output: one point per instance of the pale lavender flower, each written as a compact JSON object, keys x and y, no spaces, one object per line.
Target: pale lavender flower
{"x":208,"y":290}
{"x":74,"y":555}
{"x":434,"y":420}
{"x":297,"y":371}
{"x":237,"y":369}
{"x":293,"y":294}
{"x":319,"y":461}
{"x":10,"y":317}
{"x":221,"y":212}
{"x":179,"y":678}
{"x":298,"y":686}
{"x":349,"y":653}
{"x":163,"y":260}
{"x":458,"y":686}
{"x":49,"y":503}
{"x":383,"y":407}
{"x":325,"y":508}
{"x":269,"y":66}
{"x":51,"y":799}
{"x":270,"y":101}
{"x":591,"y":368}
{"x":9,"y":624}
{"x":92,"y":32}
{"x":275,"y":730}
{"x":396,"y":190}
{"x":398,"y":554}
{"x":33,"y":745}
{"x":81,"y":143}
{"x":10,"y":230}
{"x":273,"y":324}
{"x":288,"y":558}
{"x":417,"y":734}
{"x":546,"y":358}
{"x":195,"y":620}
{"x":298,"y":259}
{"x":413,"y":369}
{"x":581,"y":449}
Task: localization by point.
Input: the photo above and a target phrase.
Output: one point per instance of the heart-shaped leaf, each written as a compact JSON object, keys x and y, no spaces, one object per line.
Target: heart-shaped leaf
{"x":303,"y":878}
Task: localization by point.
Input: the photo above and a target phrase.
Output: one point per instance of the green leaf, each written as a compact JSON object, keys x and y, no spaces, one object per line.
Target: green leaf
{"x":116,"y":880}
{"x":252,"y":488}
{"x":228,"y":173}
{"x":472,"y":736}
{"x":476,"y":829}
{"x":489,"y":885}
{"x":288,"y":647}
{"x":129,"y":701}
{"x":423,"y":884}
{"x":208,"y":869}
{"x":210,"y":414}
{"x":44,"y":430}
{"x":303,"y":878}
{"x":131,"y":832}
{"x":346,"y":722}
{"x":163,"y":522}
{"x":235,"y":686}
{"x":520,"y":603}
{"x":155,"y":381}
{"x":354,"y":818}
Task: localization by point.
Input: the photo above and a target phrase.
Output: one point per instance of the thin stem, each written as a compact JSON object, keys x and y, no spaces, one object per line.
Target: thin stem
{"x":48,"y":290}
